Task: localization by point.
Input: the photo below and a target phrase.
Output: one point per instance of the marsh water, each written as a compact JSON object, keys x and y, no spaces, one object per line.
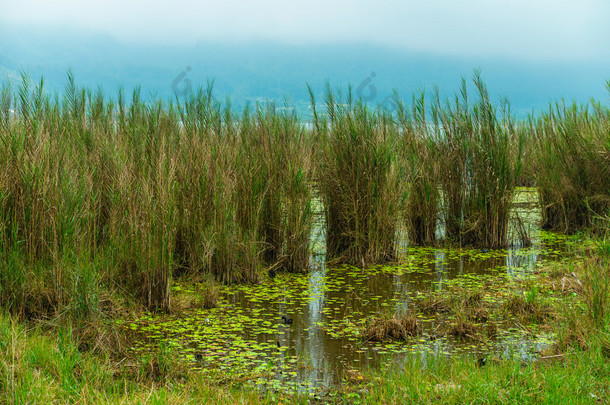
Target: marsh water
{"x":245,"y":334}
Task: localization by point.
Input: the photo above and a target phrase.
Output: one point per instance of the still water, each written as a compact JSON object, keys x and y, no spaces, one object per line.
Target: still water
{"x":328,"y":308}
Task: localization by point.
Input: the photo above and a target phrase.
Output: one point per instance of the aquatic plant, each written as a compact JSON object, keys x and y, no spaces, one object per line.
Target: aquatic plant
{"x":481,"y":162}
{"x":280,"y":153}
{"x":362,"y":182}
{"x":528,"y":306}
{"x":100,"y":197}
{"x":573,"y":165}
{"x":420,"y":151}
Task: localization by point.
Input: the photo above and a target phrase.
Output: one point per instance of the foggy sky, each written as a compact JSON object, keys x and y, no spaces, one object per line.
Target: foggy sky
{"x":535,"y":30}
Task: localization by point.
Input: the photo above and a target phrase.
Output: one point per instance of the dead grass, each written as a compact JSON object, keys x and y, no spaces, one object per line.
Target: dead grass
{"x":435,"y":304}
{"x":477,"y":313}
{"x":161,"y":366}
{"x":209,"y":295}
{"x":397,"y":327}
{"x":101,"y":338}
{"x":463,"y":327}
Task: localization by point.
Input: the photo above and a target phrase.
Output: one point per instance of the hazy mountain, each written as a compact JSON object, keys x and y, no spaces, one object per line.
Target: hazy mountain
{"x":264,"y":70}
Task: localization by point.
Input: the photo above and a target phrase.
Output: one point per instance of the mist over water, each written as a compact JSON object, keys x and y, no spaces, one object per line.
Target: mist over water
{"x":533,"y":53}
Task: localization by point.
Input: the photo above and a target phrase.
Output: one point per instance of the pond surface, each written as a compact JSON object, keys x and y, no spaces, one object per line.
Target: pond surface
{"x":329,"y":307}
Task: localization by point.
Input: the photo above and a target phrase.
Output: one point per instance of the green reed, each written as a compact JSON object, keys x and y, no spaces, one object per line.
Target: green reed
{"x":362,"y":181}
{"x":573,"y":165}
{"x":148,"y":191}
{"x":121,"y":196}
{"x":420,"y":151}
{"x":481,"y":161}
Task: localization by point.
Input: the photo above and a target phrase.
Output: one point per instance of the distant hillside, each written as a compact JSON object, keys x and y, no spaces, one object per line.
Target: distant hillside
{"x":255,"y":71}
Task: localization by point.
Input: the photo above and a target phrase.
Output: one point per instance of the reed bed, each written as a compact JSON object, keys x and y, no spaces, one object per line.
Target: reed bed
{"x":101,"y":198}
{"x":465,"y":159}
{"x":362,"y":181}
{"x":573,"y":165}
{"x":419,"y":150}
{"x":481,"y":162}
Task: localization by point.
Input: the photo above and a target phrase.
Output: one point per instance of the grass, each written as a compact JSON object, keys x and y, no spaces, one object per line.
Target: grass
{"x":481,"y":164}
{"x":575,"y":369}
{"x":581,"y":377}
{"x":420,"y":151}
{"x":396,"y":327}
{"x":362,"y":181}
{"x":573,"y":145}
{"x":100,"y":197}
{"x":466,"y":313}
{"x":122,"y":196}
{"x":38,"y":368}
{"x":528,"y":307}
{"x":205,"y":295}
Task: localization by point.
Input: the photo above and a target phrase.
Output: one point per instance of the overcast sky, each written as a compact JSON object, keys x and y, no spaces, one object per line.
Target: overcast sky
{"x":524,"y":29}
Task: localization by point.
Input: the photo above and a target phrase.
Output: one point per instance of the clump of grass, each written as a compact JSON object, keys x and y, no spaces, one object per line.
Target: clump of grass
{"x":191,"y":294}
{"x":481,"y":163}
{"x":283,"y":153}
{"x":597,"y":295}
{"x":456,"y":300}
{"x":209,"y":295}
{"x":396,"y":327}
{"x":101,"y":337}
{"x":528,"y":176}
{"x":361,"y":180}
{"x":235,"y":244}
{"x":161,"y":365}
{"x":572,"y":166}
{"x":575,"y":331}
{"x":479,"y":314}
{"x":419,"y":149}
{"x":464,"y":311}
{"x":48,"y":208}
{"x":143,"y":218}
{"x":435,"y":304}
{"x":199,"y":182}
{"x":462,"y":327}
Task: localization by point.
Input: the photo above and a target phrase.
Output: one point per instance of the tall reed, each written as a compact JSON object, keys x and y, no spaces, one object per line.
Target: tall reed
{"x":362,"y":181}
{"x":47,"y":204}
{"x":200,"y":153}
{"x":420,"y":153}
{"x":101,"y":197}
{"x":573,"y":165}
{"x":124,"y":195}
{"x":286,"y":151}
{"x":481,"y":163}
